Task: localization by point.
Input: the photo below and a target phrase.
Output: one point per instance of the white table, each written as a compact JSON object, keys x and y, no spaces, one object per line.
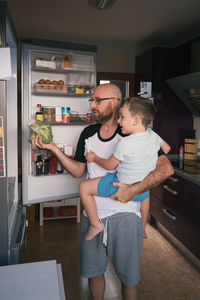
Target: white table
{"x":32,"y":281}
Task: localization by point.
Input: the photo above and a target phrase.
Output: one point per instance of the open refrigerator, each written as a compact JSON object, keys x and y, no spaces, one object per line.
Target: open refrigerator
{"x":61,"y":81}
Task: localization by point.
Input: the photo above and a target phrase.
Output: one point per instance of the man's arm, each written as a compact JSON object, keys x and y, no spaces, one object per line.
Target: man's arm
{"x":163,"y":170}
{"x":75,"y":168}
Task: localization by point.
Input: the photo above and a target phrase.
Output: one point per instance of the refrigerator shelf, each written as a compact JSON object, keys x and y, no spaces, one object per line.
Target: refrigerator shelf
{"x":64,"y":70}
{"x":57,"y":93}
{"x":71,"y":123}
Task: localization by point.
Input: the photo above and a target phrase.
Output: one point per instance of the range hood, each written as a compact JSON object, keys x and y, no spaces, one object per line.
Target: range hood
{"x":187,"y":88}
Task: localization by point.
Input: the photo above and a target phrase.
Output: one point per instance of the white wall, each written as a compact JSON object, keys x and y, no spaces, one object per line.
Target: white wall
{"x":117,"y":57}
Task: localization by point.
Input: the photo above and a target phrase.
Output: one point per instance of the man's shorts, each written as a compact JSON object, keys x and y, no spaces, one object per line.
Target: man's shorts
{"x":124,"y":247}
{"x":104,"y":188}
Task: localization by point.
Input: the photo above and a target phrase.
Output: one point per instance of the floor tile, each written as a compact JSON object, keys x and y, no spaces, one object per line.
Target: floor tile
{"x":165,"y":273}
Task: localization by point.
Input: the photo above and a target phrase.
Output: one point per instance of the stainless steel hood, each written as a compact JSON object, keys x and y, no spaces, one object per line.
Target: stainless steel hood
{"x":187,"y":88}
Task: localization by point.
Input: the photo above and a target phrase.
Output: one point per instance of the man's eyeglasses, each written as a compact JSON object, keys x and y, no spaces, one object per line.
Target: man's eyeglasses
{"x":98,"y":100}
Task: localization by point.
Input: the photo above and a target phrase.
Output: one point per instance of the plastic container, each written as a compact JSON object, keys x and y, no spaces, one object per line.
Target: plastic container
{"x":74,"y":116}
{"x":49,"y":114}
{"x":48,"y":212}
{"x":83,"y":117}
{"x":69,"y":211}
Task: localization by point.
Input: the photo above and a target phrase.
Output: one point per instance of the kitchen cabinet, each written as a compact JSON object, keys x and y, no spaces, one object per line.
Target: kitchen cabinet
{"x":155,"y":66}
{"x":175,"y":204}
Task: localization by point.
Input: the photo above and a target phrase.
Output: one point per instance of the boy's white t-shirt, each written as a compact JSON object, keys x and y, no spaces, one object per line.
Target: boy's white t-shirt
{"x":104,"y":149}
{"x":138,"y":154}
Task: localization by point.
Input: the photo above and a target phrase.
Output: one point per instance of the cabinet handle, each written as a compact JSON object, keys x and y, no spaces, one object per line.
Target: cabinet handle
{"x":173,"y":179}
{"x":169,"y":214}
{"x":170,"y":190}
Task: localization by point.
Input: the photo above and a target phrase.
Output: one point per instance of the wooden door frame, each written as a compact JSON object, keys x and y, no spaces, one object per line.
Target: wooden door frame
{"x":118,"y":77}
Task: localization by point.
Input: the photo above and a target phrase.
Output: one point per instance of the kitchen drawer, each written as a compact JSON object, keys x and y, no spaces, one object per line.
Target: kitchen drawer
{"x":173,"y":182}
{"x":169,"y":192}
{"x":186,"y":230}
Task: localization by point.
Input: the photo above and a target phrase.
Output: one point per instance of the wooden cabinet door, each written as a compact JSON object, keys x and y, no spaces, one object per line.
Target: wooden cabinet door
{"x":176,"y":205}
{"x":156,"y":65}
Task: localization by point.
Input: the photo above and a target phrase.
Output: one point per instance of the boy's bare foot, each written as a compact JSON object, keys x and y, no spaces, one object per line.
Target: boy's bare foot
{"x":93,"y":231}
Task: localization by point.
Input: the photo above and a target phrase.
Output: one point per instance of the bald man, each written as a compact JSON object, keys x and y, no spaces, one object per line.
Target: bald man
{"x":122,"y":237}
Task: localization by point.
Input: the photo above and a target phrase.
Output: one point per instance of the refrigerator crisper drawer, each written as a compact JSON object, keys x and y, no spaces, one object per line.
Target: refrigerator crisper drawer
{"x":50,"y":188}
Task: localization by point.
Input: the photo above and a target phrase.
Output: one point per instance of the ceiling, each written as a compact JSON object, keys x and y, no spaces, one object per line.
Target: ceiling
{"x":156,"y":22}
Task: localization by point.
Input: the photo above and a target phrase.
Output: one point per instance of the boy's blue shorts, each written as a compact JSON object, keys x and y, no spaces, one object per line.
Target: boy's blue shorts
{"x":104,"y":188}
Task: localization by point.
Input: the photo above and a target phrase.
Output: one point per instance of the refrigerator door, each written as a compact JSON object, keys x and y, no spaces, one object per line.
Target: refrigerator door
{"x":77,"y":72}
{"x":9,"y":195}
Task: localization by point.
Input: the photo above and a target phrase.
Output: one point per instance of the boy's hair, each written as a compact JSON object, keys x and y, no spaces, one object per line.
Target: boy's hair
{"x":141,"y":106}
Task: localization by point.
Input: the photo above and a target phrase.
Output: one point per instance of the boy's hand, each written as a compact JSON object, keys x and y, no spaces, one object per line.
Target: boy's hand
{"x":90,"y":156}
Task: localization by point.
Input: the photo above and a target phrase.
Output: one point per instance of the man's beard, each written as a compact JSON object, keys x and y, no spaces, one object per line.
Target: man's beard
{"x":102,"y":118}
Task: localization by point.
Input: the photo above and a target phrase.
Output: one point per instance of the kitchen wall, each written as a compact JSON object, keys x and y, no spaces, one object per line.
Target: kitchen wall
{"x":117,"y":57}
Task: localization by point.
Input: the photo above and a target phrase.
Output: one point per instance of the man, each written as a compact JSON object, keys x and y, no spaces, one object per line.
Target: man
{"x":122,"y":237}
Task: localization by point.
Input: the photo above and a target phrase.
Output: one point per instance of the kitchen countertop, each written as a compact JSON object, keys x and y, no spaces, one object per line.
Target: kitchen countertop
{"x":194,"y":178}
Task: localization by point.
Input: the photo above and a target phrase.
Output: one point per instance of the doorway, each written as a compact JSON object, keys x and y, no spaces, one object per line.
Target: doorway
{"x":125,"y":81}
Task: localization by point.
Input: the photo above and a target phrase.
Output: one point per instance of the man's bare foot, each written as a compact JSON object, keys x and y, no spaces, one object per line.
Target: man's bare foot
{"x":145,"y":236}
{"x":93,"y":231}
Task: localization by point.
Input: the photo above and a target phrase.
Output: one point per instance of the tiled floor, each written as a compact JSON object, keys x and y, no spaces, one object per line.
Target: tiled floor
{"x":165,"y":273}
